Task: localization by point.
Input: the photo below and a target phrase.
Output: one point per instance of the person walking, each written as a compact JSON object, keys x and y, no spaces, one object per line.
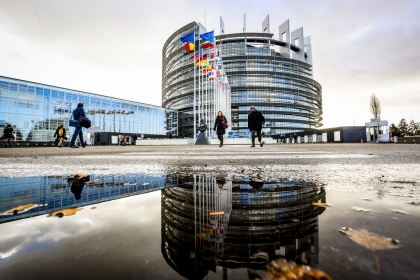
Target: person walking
{"x":77,"y":113}
{"x":220,"y":125}
{"x":122,"y":140}
{"x":7,"y":134}
{"x":255,"y":123}
{"x":59,"y":133}
{"x":134,"y":139}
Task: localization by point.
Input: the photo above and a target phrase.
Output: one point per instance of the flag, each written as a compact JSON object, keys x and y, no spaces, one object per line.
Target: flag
{"x":217,"y":62}
{"x":209,"y":36}
{"x":210,"y":75}
{"x":208,"y":45}
{"x":208,"y":68}
{"x":215,"y":54}
{"x":197,"y":55}
{"x":189,"y":47}
{"x":201,"y":61}
{"x":187,"y":38}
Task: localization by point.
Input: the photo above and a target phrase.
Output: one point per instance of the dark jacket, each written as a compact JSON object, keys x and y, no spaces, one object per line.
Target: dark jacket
{"x":78,"y":112}
{"x":255,"y":120}
{"x":218,"y":125}
{"x":7,"y":131}
{"x":56,"y":132}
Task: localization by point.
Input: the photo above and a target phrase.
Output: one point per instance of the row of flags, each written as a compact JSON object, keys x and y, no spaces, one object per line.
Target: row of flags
{"x":210,"y":63}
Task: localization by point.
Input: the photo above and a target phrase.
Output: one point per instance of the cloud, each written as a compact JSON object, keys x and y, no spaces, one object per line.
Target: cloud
{"x":110,"y":48}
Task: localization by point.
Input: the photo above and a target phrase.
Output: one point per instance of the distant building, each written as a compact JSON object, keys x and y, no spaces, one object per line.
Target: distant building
{"x":377,"y":130}
{"x":36,"y":110}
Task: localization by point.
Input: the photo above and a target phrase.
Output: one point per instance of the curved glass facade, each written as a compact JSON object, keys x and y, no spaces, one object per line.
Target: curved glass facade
{"x":259,"y":74}
{"x":35,"y":111}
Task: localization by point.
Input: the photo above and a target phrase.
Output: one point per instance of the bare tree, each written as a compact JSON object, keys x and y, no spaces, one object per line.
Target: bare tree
{"x":375,"y":106}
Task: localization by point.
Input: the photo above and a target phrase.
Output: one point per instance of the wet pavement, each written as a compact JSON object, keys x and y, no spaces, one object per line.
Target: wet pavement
{"x":205,"y":212}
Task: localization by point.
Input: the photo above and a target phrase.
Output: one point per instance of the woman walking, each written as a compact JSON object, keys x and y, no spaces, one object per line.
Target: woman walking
{"x":220,"y":125}
{"x":7,"y":134}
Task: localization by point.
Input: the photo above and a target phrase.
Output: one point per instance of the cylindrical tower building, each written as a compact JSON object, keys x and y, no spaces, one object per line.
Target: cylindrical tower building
{"x":272,"y":73}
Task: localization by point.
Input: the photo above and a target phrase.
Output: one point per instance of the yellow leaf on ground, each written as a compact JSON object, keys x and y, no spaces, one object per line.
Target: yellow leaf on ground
{"x":288,"y":270}
{"x":321,"y":204}
{"x":65,"y":212}
{"x":21,"y":208}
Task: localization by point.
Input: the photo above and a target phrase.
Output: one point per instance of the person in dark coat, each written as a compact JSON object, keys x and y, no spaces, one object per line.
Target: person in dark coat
{"x":255,"y":123}
{"x":77,"y":113}
{"x":134,"y":139}
{"x":7,"y":134}
{"x":218,"y":126}
{"x":59,"y":133}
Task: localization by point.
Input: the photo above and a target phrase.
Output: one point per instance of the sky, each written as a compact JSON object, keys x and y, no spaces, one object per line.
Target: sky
{"x":114,"y":48}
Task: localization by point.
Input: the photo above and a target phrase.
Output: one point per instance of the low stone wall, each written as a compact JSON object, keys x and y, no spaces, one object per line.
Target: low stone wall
{"x":409,"y":140}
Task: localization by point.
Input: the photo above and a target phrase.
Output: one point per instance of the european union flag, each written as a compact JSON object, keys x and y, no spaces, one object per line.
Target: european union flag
{"x":187,"y":38}
{"x":209,"y":36}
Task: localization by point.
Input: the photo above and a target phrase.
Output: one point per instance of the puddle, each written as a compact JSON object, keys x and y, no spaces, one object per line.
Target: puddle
{"x":199,"y":225}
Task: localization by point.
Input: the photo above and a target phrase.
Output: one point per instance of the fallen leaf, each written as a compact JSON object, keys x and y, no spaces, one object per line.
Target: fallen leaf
{"x":65,"y":212}
{"x":242,"y":171}
{"x":371,"y":241}
{"x":21,"y":208}
{"x":321,"y":204}
{"x":78,"y":176}
{"x":288,"y":270}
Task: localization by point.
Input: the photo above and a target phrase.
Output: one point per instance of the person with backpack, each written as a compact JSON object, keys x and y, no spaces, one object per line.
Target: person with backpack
{"x":59,"y":133}
{"x":220,"y":125}
{"x":77,"y":113}
{"x":7,"y":134}
{"x":255,"y":123}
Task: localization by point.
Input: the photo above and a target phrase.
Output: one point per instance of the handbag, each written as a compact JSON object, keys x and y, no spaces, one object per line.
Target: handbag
{"x":56,"y":141}
{"x":13,"y":137}
{"x":74,"y":123}
{"x":224,"y":125}
{"x":2,"y":137}
{"x":85,"y":122}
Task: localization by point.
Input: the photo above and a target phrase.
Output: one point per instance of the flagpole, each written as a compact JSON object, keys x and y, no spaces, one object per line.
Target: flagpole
{"x":194,"y":101}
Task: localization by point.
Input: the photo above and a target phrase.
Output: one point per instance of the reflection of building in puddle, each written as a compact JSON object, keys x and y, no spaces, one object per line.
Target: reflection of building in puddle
{"x":258,"y":221}
{"x":51,"y":193}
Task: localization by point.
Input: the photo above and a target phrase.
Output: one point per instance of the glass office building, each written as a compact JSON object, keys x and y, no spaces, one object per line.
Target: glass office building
{"x":36,"y":110}
{"x":273,"y":73}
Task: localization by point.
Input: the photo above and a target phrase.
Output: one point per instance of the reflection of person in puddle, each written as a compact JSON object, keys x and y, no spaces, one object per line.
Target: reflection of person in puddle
{"x":256,"y":185}
{"x":77,"y":184}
